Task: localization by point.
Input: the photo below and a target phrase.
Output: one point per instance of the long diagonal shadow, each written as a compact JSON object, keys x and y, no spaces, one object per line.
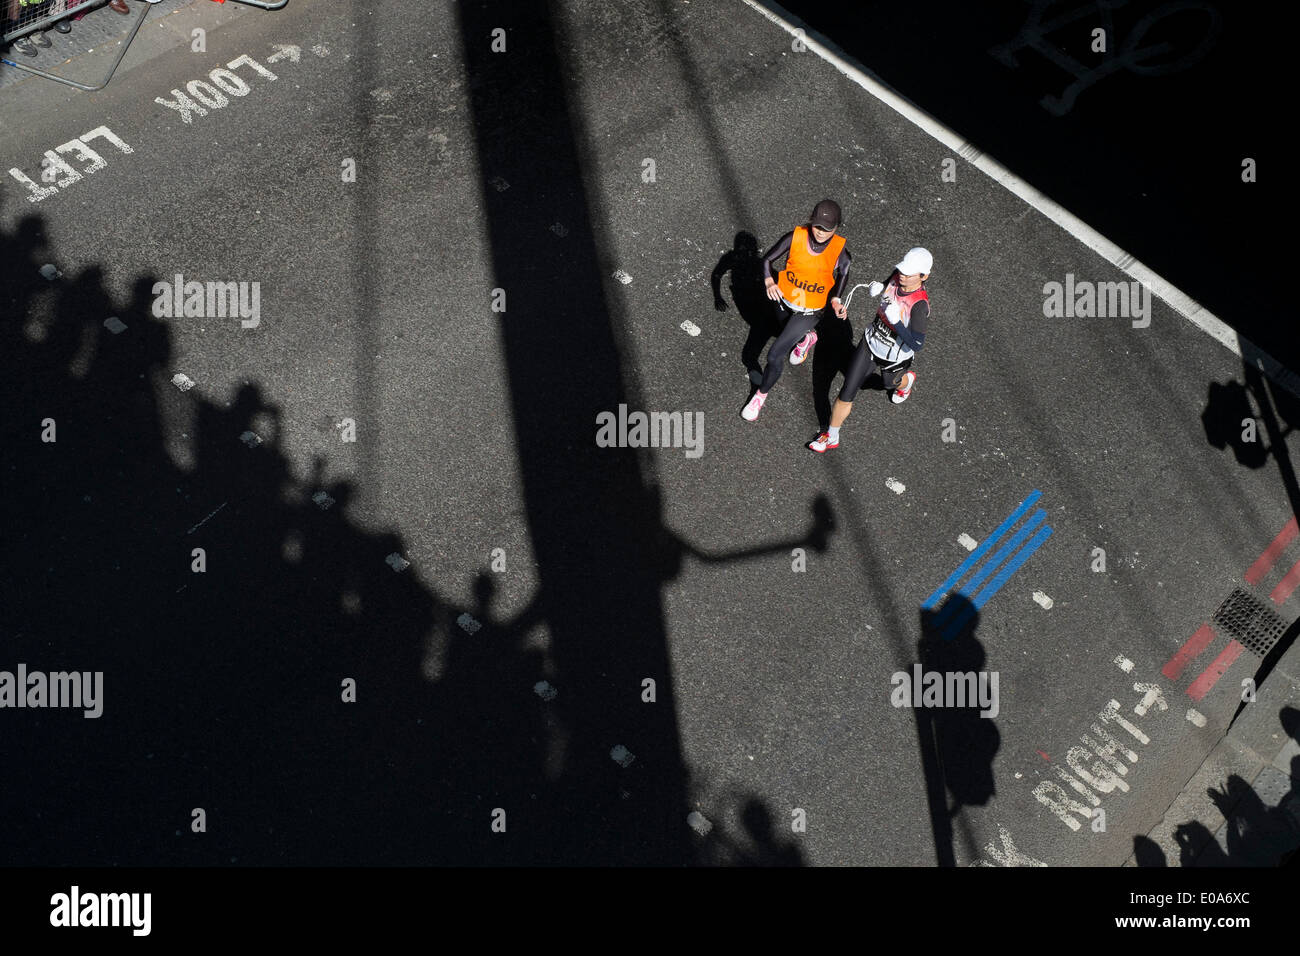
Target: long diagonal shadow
{"x":593,"y":515}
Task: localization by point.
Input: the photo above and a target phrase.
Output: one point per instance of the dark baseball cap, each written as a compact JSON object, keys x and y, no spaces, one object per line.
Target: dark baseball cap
{"x":826,"y":214}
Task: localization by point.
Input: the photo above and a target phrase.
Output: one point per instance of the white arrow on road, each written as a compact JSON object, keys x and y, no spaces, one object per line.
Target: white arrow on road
{"x":283,"y":51}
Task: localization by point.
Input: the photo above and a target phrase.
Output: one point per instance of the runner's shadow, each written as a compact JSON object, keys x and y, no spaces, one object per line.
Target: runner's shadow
{"x":745,"y":266}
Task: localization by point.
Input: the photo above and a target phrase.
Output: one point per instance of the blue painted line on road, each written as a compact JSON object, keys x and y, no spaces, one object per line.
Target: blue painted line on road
{"x":981,"y":550}
{"x":991,"y":565}
{"x":1002,"y":577}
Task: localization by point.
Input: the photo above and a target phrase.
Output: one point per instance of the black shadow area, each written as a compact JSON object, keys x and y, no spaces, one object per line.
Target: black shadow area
{"x":159,"y":537}
{"x":1263,"y":818}
{"x":1144,"y":140}
{"x":957,"y":745}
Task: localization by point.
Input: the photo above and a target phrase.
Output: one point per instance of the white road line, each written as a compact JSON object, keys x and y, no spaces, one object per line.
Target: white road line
{"x":397,"y":562}
{"x":894,"y":485}
{"x":690,"y":328}
{"x":698,"y":823}
{"x":205,"y":520}
{"x":1178,"y":300}
{"x":1043,"y":600}
{"x":1195,"y":716}
{"x":621,"y":755}
{"x":1124,"y":663}
{"x":468,"y":624}
{"x":966,"y":541}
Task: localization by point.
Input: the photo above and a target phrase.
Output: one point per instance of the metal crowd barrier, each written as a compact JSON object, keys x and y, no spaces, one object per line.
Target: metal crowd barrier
{"x":23,"y":17}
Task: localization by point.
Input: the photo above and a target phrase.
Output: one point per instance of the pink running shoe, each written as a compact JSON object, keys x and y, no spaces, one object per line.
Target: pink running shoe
{"x":755,"y":405}
{"x":800,"y":351}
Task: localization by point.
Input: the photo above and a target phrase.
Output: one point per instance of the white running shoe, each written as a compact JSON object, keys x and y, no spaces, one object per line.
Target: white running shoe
{"x":904,"y":390}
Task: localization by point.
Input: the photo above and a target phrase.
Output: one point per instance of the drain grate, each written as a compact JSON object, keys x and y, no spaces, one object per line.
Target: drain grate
{"x":1248,"y":620}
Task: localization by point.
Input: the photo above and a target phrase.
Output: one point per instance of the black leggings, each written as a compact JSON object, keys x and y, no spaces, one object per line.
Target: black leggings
{"x":797,"y":325}
{"x":861,"y":367}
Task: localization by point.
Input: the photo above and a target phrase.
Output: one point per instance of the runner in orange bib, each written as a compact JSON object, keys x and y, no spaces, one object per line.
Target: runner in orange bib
{"x":816,"y":268}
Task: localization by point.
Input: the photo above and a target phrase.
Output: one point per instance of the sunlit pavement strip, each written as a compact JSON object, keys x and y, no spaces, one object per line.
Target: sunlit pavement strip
{"x":1178,"y":300}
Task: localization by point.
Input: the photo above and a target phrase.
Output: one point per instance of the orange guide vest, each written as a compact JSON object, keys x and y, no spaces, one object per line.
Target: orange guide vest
{"x":806,"y":280}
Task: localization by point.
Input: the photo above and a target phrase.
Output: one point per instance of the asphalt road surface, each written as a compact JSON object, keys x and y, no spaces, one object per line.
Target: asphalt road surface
{"x":370,"y":591}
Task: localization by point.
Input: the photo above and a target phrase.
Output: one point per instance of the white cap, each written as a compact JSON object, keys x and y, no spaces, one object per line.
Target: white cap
{"x":916,"y":261}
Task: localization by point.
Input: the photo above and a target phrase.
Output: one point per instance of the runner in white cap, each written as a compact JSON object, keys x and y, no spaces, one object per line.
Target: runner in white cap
{"x":889,"y":343}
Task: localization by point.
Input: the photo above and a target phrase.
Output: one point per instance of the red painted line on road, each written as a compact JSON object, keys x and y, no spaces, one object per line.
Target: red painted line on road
{"x":1210,"y":676}
{"x":1287,"y":584}
{"x":1271,"y":553}
{"x":1044,"y":756}
{"x":1190,"y":650}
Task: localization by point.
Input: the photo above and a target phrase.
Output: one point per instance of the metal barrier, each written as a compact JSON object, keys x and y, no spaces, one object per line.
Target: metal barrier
{"x":20,"y":18}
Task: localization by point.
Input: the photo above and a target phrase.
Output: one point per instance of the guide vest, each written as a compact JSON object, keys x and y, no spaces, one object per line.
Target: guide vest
{"x":806,"y":280}
{"x":895,"y":309}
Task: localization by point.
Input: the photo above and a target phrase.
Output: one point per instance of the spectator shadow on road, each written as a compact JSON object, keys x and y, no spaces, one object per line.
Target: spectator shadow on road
{"x":222,"y":687}
{"x":1147,"y":852}
{"x":229,"y":689}
{"x":1263,"y":818}
{"x":957,"y":745}
{"x":757,"y":841}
